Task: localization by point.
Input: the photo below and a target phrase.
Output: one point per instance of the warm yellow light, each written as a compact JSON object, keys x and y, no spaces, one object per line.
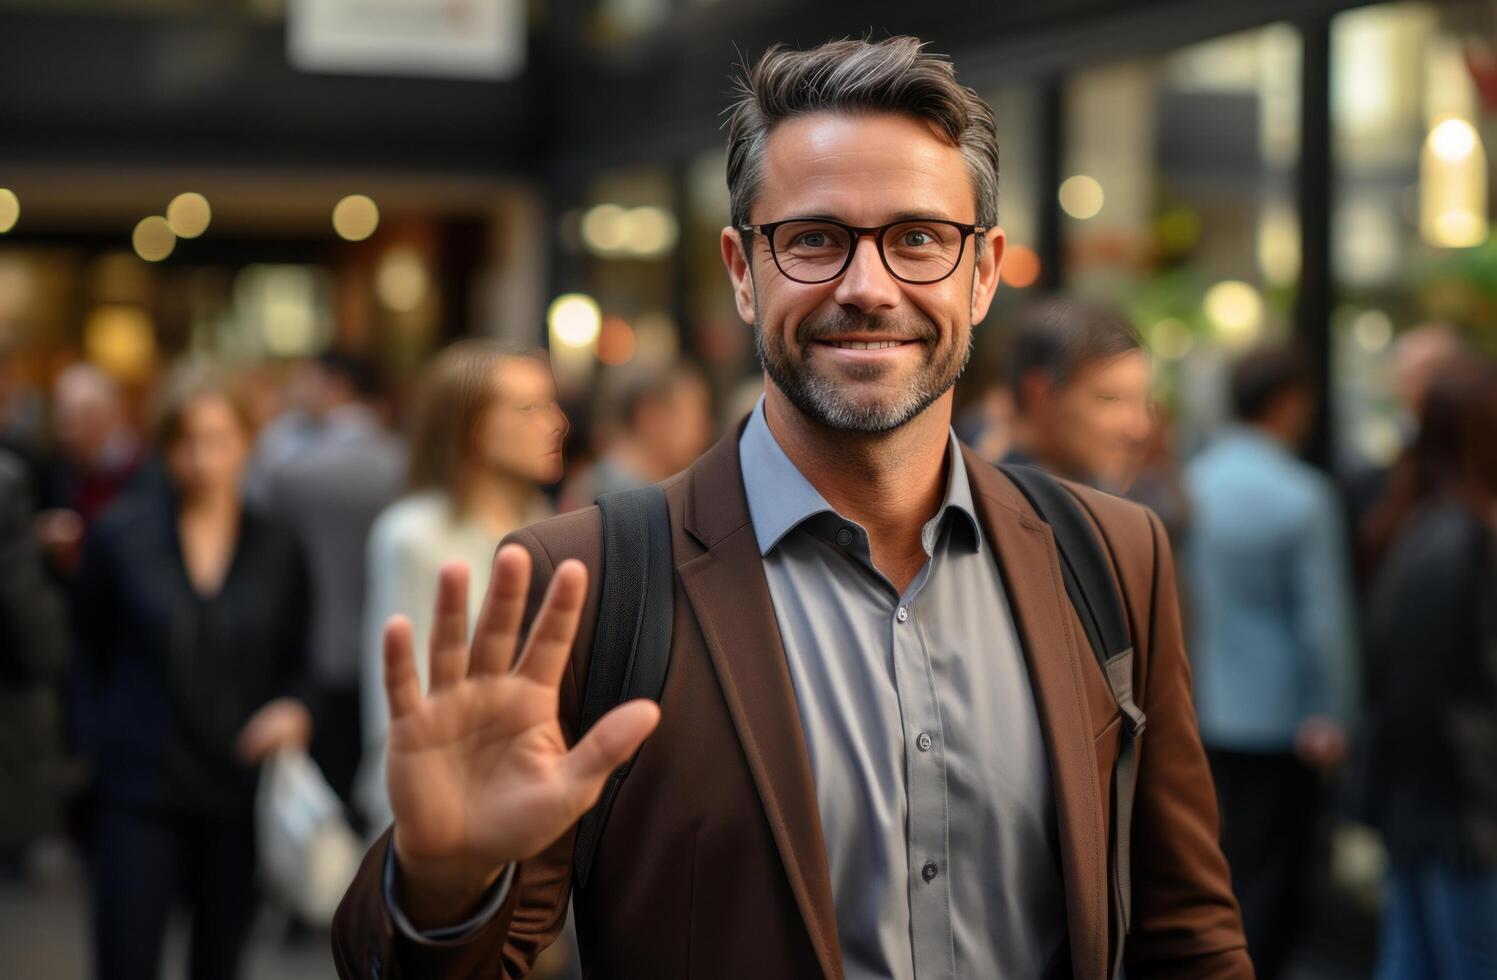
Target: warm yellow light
{"x":1453,"y":186}
{"x":1373,"y":331}
{"x":605,"y":228}
{"x":1453,"y":140}
{"x":153,"y":238}
{"x":1171,"y":339}
{"x":121,"y":340}
{"x":402,"y":280}
{"x":189,"y":215}
{"x":1236,"y":311}
{"x":10,"y":209}
{"x":355,"y":217}
{"x":651,"y":231}
{"x":1278,"y":244}
{"x":575,"y":320}
{"x":1081,"y":197}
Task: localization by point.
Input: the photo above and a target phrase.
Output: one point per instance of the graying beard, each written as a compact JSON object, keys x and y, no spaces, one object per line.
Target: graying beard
{"x":820,"y":400}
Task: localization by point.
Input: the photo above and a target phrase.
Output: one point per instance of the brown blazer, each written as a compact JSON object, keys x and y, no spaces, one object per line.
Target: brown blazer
{"x":713,"y":865}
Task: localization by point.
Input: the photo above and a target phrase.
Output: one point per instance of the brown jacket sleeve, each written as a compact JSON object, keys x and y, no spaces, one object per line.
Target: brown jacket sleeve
{"x":1186,"y":921}
{"x":366,"y":943}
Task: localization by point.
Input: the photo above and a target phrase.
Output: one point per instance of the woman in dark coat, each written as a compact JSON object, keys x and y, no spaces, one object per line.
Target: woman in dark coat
{"x":1432,"y":673}
{"x":193,"y":621}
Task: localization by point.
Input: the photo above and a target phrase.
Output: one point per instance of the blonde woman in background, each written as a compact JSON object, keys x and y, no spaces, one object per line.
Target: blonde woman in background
{"x":488,"y":434}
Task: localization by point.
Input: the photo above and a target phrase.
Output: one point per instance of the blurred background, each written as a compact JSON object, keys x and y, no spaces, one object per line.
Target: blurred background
{"x":320,"y":196}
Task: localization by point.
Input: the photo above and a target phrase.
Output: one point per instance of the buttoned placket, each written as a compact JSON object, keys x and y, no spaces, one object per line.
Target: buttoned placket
{"x":927,"y":837}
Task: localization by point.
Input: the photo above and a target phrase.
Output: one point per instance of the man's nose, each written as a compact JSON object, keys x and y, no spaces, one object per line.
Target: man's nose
{"x":866,"y":285}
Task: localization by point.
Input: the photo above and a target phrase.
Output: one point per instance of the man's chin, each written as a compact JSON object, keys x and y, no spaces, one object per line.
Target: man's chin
{"x":842,"y":411}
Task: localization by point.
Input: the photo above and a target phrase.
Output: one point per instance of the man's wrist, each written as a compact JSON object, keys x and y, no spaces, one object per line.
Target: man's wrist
{"x":439,"y":893}
{"x":453,"y":934}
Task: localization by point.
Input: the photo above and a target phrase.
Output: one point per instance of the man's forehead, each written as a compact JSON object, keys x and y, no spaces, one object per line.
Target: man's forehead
{"x":862,"y":168}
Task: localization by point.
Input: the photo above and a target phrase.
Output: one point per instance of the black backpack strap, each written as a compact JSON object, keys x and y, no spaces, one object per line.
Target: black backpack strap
{"x":1094,"y":593}
{"x":633,"y":643}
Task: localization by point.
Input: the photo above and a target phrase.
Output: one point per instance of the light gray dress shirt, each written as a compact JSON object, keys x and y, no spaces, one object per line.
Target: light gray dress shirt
{"x":931,"y":773}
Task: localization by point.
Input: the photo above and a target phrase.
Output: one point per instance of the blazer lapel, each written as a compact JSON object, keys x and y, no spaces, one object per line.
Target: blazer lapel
{"x":1030,"y":568}
{"x":730,"y":596}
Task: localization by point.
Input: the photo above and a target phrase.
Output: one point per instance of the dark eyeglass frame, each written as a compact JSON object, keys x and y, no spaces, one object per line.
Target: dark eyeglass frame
{"x":858,"y":233}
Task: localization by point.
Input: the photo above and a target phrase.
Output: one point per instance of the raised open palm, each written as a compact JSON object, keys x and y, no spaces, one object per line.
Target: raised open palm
{"x":478,"y":772}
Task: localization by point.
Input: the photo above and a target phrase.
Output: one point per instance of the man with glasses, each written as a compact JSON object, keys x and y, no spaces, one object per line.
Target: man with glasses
{"x":883,"y":748}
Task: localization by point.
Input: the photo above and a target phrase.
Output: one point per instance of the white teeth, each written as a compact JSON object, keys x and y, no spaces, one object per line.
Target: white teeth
{"x":866,"y":344}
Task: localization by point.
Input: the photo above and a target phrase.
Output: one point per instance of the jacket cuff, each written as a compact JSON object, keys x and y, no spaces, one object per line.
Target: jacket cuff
{"x":454,"y":935}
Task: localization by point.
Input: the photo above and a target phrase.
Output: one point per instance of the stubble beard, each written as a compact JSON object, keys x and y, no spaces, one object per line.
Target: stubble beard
{"x":836,"y":405}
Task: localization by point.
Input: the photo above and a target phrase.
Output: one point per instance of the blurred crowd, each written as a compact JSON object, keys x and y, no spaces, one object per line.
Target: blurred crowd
{"x":196,"y":577}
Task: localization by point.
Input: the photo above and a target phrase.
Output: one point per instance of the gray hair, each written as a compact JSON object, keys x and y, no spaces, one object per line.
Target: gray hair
{"x":895,"y":75}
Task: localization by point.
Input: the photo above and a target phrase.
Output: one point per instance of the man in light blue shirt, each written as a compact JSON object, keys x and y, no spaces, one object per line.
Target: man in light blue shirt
{"x":1272,"y":643}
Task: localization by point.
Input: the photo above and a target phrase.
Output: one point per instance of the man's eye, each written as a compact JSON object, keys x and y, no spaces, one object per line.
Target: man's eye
{"x":813,"y":239}
{"x":916,"y":238}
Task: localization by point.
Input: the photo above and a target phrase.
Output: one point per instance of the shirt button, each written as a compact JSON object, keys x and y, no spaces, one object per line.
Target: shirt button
{"x":844,"y":536}
{"x":903,"y":614}
{"x":923,"y":741}
{"x":929,"y":871}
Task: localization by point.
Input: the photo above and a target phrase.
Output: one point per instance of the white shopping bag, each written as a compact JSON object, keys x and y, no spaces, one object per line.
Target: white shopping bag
{"x":308,"y":854}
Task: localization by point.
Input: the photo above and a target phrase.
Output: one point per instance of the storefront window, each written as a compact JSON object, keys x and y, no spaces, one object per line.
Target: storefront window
{"x":1178,"y":199}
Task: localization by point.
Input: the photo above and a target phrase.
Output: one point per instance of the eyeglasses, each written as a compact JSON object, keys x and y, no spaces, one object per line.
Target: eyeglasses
{"x":918,"y":251}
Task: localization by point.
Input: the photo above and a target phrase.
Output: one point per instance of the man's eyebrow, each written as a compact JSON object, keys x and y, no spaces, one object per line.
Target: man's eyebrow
{"x":894,"y":218}
{"x":925,"y":215}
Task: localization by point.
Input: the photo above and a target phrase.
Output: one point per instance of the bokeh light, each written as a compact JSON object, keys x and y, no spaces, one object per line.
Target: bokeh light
{"x":616,"y":341}
{"x":574,"y":320}
{"x":189,"y":215}
{"x":1372,"y":330}
{"x":153,"y":238}
{"x":402,"y":281}
{"x":1235,"y":310}
{"x":355,"y":217}
{"x":651,"y":231}
{"x":1081,"y":197}
{"x":10,"y":209}
{"x":604,"y":228}
{"x":613,"y":231}
{"x":121,"y":339}
{"x":1452,"y":140}
{"x":1021,"y":267}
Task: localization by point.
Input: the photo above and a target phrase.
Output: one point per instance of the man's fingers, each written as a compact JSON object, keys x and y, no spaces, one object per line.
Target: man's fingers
{"x":449,"y":626}
{"x":498,"y":634}
{"x":555,"y":626}
{"x":609,"y":744}
{"x":402,"y":686}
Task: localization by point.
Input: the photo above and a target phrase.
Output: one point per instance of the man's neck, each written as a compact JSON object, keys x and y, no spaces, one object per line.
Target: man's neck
{"x":890,"y":483}
{"x":1270,"y":432}
{"x":1029,"y":443}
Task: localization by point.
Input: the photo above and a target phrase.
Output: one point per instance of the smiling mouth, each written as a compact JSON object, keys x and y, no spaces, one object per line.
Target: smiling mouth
{"x":865,"y":343}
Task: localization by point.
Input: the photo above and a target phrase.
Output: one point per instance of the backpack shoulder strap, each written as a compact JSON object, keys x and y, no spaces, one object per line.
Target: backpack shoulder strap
{"x":632,"y":645}
{"x":1094,"y":593}
{"x":1084,"y":565}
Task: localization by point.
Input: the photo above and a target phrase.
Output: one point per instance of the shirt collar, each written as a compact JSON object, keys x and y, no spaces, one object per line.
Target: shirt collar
{"x":780,"y":498}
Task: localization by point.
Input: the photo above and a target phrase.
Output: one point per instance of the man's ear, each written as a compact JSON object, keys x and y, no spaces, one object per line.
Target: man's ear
{"x":735,"y":249}
{"x":985,"y":275}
